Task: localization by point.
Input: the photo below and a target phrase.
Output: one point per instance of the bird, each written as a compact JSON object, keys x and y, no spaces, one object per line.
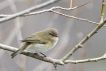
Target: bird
{"x":41,"y":41}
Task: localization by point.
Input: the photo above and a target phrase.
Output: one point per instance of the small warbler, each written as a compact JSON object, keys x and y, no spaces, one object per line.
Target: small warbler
{"x":41,"y":41}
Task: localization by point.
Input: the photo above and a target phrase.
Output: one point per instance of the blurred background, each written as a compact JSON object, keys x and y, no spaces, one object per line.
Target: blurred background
{"x":71,"y":32}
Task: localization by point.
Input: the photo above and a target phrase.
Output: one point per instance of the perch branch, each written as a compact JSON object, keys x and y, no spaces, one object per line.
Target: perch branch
{"x":51,"y":60}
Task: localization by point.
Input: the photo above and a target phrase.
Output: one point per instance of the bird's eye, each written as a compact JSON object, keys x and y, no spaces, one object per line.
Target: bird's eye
{"x":51,"y":34}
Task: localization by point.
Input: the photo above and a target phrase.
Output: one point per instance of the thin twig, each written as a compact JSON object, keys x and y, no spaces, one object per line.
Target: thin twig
{"x":45,"y":10}
{"x":102,"y":11}
{"x":86,"y":60}
{"x":52,"y":10}
{"x":73,"y":17}
{"x":80,"y":44}
{"x":28,"y":10}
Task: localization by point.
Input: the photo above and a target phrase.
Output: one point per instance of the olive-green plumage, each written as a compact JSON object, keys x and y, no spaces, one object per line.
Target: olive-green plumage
{"x":40,"y":41}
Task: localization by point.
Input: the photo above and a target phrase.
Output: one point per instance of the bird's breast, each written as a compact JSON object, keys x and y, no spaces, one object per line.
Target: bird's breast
{"x":43,"y":47}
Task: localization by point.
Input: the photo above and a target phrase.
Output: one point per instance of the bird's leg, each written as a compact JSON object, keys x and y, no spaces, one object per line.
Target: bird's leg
{"x":40,"y":53}
{"x":43,"y":54}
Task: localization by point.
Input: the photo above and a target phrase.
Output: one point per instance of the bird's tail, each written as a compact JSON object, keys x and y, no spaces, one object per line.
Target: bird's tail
{"x":20,"y":50}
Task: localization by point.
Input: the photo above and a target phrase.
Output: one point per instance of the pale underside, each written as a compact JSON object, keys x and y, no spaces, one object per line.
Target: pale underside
{"x":42,"y":47}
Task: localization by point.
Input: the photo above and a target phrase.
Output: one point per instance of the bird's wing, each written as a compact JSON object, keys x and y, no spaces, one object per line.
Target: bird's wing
{"x":34,"y":39}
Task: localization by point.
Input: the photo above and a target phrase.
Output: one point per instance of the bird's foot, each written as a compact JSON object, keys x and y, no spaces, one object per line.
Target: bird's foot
{"x":43,"y":54}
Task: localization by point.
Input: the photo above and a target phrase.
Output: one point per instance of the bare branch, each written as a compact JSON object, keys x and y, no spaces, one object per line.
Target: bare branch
{"x":46,"y":10}
{"x":51,"y":60}
{"x":73,"y":17}
{"x":52,"y":10}
{"x":46,"y":59}
{"x":79,"y":45}
{"x":28,"y":10}
{"x":86,"y":60}
{"x":102,"y":11}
